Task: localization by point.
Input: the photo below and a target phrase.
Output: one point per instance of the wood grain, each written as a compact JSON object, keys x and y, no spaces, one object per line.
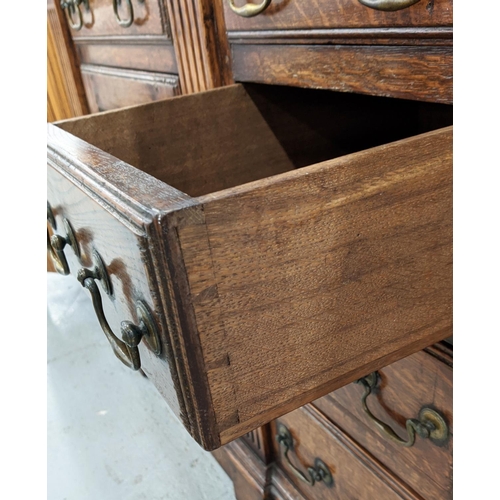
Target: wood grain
{"x":112,"y":88}
{"x":405,"y":388}
{"x":421,"y":73}
{"x":289,"y":14}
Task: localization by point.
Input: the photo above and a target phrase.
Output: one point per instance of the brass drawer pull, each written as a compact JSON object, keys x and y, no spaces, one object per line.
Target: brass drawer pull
{"x":388,"y":5}
{"x":125,"y":22}
{"x":56,"y":243}
{"x":72,"y":7}
{"x":125,"y":349}
{"x":430,"y":424}
{"x":320,"y":471}
{"x":50,"y":217}
{"x":249,"y":9}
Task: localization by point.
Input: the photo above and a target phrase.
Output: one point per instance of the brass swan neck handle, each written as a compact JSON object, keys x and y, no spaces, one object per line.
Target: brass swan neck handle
{"x":429,"y":425}
{"x":126,"y":348}
{"x":320,"y":471}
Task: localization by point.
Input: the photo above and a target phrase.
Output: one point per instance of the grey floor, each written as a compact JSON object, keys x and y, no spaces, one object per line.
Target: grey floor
{"x":110,"y":434}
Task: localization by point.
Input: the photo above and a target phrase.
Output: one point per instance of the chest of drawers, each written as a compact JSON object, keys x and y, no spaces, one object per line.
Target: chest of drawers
{"x":256,"y":247}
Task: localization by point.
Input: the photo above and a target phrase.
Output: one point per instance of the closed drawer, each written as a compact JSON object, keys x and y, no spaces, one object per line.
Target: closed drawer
{"x":323,"y":463}
{"x":323,"y":14}
{"x":285,"y":241}
{"x":403,"y":390}
{"x":112,"y":88}
{"x":97,"y":18}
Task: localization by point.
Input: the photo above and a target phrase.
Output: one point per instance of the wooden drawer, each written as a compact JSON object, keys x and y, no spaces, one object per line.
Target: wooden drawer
{"x":312,"y":446}
{"x":149,"y":17}
{"x":112,"y":88}
{"x":403,"y":389}
{"x":324,"y":14}
{"x":286,"y":241}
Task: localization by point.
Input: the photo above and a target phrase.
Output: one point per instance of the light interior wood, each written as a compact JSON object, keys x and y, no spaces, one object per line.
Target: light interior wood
{"x":219,"y":139}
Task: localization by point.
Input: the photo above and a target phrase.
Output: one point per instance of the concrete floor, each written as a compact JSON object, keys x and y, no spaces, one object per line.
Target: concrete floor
{"x":110,"y":434}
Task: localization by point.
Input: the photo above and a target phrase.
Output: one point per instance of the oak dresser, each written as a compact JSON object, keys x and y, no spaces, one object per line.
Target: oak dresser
{"x":260,"y":207}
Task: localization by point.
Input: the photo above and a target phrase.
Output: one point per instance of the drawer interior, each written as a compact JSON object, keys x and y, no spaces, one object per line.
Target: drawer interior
{"x":207,"y":142}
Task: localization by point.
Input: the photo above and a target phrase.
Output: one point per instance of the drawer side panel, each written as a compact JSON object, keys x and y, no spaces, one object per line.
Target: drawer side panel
{"x":326,"y":273}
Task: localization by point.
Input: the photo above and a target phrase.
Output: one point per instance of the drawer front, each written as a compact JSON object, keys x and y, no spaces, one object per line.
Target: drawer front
{"x":112,"y":88}
{"x":97,"y":18}
{"x":339,"y":467}
{"x":108,"y":235}
{"x":404,"y":388}
{"x":157,"y":58}
{"x":323,"y":14}
{"x":422,"y":73}
{"x":279,"y":283}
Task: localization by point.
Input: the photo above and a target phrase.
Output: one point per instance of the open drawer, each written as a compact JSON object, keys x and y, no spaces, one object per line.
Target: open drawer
{"x":253,"y":248}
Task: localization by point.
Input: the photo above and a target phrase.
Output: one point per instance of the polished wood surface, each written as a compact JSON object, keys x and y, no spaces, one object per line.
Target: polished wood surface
{"x":112,"y":88}
{"x":354,"y":252}
{"x":322,"y":14}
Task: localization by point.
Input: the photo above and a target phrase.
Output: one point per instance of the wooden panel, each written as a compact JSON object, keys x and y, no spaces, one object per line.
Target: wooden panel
{"x":283,"y":14}
{"x":158,"y":57}
{"x":110,"y":88}
{"x":423,"y":73}
{"x":200,"y":43}
{"x":199,"y":142}
{"x":350,"y":281}
{"x":149,"y":19}
{"x":356,"y":475}
{"x":406,"y":386}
